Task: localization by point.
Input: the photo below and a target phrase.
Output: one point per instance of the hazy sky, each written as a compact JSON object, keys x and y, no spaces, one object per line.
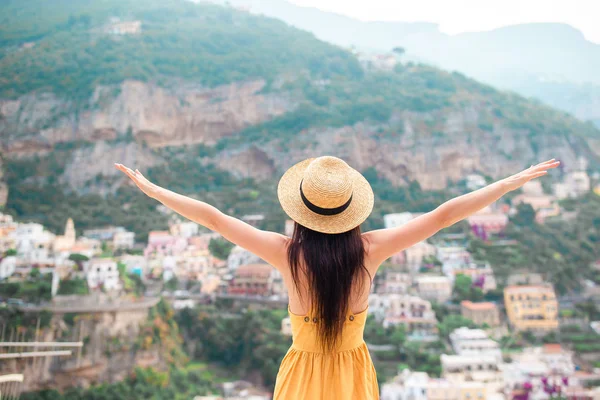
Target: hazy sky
{"x":456,"y":16}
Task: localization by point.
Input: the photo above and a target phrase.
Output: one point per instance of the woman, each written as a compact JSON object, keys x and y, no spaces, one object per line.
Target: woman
{"x":328,"y":265}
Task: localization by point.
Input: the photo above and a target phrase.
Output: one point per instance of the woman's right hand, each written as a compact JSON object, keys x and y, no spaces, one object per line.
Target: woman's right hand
{"x":149,"y":188}
{"x":535,"y":171}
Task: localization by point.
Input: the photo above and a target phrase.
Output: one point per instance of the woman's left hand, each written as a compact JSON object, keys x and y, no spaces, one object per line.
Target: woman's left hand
{"x":535,"y":171}
{"x":149,"y":188}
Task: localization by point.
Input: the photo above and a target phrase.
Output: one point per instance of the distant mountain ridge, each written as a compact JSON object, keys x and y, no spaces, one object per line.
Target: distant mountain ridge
{"x":551,"y":61}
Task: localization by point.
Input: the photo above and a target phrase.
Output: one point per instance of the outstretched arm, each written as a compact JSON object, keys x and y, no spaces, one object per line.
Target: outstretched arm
{"x":269,"y":246}
{"x":383,"y":243}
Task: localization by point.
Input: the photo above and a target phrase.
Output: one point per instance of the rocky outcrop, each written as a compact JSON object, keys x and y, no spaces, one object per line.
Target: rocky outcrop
{"x":155,"y":115}
{"x":126,"y":123}
{"x":431,"y":148}
{"x":91,"y":168}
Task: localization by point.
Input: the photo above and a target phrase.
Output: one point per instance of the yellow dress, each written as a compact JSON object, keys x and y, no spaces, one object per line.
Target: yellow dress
{"x":306,"y":373}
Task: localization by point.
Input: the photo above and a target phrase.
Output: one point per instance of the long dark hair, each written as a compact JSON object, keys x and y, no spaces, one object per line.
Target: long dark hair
{"x":332,"y":263}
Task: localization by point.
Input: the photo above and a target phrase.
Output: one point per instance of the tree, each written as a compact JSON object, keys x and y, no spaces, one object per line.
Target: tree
{"x":398,"y":337}
{"x":452,"y":322}
{"x":35,"y":273}
{"x":525,"y":215}
{"x":465,"y":290}
{"x":10,"y":252}
{"x":220,"y":248}
{"x":73,"y":286}
{"x":78,"y":259}
{"x":172,"y":284}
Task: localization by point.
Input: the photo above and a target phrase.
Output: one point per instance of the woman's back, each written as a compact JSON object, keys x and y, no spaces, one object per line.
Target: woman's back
{"x":299,"y":296}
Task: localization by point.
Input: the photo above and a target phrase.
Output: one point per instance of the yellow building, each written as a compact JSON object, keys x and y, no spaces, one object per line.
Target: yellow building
{"x":531,"y":307}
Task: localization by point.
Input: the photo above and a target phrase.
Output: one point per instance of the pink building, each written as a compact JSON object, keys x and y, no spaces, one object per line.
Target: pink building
{"x":162,"y":243}
{"x":490,"y":223}
{"x":256,"y":279}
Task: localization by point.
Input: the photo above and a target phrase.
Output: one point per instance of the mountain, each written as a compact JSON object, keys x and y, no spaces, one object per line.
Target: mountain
{"x":553,"y":62}
{"x":218,"y":102}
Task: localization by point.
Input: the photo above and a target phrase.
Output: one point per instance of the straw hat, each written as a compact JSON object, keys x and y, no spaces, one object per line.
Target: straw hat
{"x":325,"y":194}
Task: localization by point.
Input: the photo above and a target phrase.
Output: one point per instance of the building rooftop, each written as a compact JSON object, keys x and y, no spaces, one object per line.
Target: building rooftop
{"x":433,"y":278}
{"x":478,"y":306}
{"x":160,"y":233}
{"x":529,"y":289}
{"x":254,"y":269}
{"x":552,"y":348}
{"x":466,"y":333}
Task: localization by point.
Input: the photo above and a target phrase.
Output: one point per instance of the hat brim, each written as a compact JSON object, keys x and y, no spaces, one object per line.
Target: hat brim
{"x":357,"y":212}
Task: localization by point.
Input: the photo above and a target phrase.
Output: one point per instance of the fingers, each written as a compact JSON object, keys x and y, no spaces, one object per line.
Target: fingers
{"x":127,"y":171}
{"x":550,"y":164}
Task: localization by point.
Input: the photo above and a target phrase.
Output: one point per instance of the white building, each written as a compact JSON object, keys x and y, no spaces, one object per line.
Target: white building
{"x":453,"y":258}
{"x":475,"y":181}
{"x":135,"y":264}
{"x":409,"y":385}
{"x":575,"y":184}
{"x":286,"y":326}
{"x":484,"y":368}
{"x":8,"y":266}
{"x":7,"y":242}
{"x":185,"y":229}
{"x":434,"y":288}
{"x":102,"y":272}
{"x":533,"y":188}
{"x":534,"y":366}
{"x":180,"y":304}
{"x":398,"y":219}
{"x":415,"y":255}
{"x":395,"y":282}
{"x":32,"y":236}
{"x":406,"y":385}
{"x":467,"y":341}
{"x":195,"y":267}
{"x":123,"y":240}
{"x":240,"y":256}
{"x":411,"y":311}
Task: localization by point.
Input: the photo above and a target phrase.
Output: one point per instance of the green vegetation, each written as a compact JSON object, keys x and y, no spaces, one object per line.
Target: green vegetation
{"x":34,"y":289}
{"x":50,"y":204}
{"x":250,"y":341}
{"x":172,"y":284}
{"x":220,"y":248}
{"x":14,"y":321}
{"x":562,"y":250}
{"x":454,"y":321}
{"x":73,"y":52}
{"x":464,"y":289}
{"x":132,"y":283}
{"x":144,"y":383}
{"x":74,"y":286}
{"x":418,"y":356}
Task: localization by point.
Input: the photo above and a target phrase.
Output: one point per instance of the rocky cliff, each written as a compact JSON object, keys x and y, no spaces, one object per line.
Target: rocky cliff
{"x":154,"y":115}
{"x":129,"y":122}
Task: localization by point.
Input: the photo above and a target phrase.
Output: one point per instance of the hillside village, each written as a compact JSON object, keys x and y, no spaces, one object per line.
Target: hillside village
{"x":496,"y":339}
